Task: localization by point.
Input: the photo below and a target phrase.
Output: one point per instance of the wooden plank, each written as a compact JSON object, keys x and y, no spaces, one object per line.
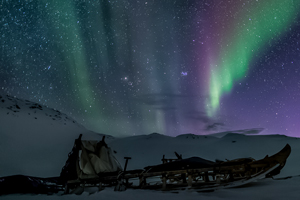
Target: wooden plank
{"x":164,"y":182}
{"x":190,"y":180}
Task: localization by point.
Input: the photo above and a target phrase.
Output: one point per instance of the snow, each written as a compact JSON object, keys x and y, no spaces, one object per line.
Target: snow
{"x":265,"y":189}
{"x":35,"y":141}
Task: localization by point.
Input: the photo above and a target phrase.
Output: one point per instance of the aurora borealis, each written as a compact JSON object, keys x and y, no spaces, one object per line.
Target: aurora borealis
{"x":264,"y":23}
{"x":172,"y":67}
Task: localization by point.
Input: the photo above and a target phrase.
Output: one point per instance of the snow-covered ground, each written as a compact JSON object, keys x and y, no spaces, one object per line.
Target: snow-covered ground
{"x":35,"y":140}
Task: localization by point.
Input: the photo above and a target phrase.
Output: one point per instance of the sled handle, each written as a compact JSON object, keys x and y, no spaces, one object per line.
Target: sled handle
{"x":125,"y":167}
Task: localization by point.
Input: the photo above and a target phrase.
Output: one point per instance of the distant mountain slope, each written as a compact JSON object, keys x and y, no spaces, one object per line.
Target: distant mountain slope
{"x":39,"y":136}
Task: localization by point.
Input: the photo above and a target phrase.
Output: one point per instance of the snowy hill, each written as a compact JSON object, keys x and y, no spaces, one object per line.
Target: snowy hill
{"x":35,"y":140}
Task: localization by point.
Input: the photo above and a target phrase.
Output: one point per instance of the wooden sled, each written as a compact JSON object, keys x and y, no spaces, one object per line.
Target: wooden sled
{"x":194,"y":172}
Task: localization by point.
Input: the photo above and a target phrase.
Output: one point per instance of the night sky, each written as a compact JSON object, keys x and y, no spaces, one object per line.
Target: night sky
{"x":171,"y":67}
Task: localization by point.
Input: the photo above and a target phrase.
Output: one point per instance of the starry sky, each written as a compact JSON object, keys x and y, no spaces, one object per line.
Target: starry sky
{"x":173,"y":67}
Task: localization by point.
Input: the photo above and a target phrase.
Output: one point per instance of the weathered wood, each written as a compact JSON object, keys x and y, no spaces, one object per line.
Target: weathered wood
{"x":67,"y":189}
{"x":183,"y":177}
{"x":100,"y":187}
{"x":205,"y":177}
{"x":164,"y":182}
{"x":218,"y":178}
{"x":190,"y":180}
{"x":143,"y":181}
{"x":126,"y":162}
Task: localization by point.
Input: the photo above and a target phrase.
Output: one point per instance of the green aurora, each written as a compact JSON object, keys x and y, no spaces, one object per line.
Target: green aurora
{"x":249,"y":36}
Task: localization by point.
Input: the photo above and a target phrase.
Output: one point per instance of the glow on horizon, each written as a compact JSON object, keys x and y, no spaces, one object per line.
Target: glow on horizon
{"x":266,"y":21}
